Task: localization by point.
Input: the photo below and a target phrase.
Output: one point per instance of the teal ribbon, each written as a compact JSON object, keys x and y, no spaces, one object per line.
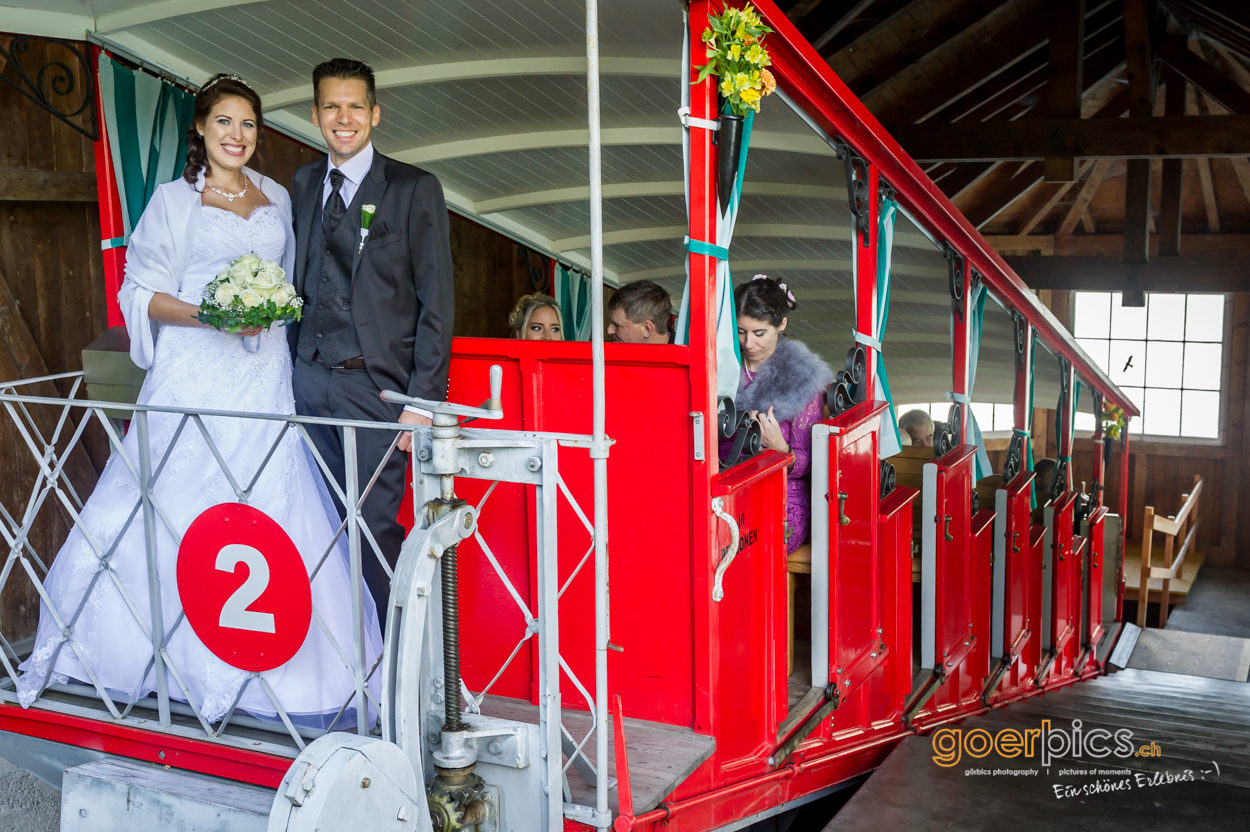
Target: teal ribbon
{"x":700,"y":247}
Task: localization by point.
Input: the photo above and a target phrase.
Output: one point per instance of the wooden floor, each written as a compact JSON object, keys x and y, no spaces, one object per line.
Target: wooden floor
{"x":1201,"y":726}
{"x":1179,"y":590}
{"x":660,"y":756}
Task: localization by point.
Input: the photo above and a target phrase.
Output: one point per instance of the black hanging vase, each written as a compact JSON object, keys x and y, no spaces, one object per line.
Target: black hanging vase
{"x":1107,"y":442}
{"x":729,"y":139}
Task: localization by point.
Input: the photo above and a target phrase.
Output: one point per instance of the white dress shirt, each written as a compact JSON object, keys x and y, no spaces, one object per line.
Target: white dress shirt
{"x":354,"y":171}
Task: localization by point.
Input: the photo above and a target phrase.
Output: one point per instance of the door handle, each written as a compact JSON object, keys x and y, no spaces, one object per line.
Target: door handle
{"x":842,"y":518}
{"x":947,"y":536}
{"x":1014,"y":537}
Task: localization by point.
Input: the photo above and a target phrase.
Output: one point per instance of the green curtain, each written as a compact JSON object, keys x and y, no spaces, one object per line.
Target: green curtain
{"x":147,"y":120}
{"x":890,"y":444}
{"x":573,"y":294}
{"x":976,"y":307}
{"x":728,"y":351}
{"x":1028,"y":440}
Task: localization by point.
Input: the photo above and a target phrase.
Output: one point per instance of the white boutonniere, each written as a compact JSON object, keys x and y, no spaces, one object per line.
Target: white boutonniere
{"x":366,"y":220}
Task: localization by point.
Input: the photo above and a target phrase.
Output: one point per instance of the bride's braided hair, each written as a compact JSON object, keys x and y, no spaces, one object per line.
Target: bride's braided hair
{"x":218,"y":87}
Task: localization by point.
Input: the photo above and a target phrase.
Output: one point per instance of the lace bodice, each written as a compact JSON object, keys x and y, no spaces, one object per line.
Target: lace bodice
{"x":224,"y":236}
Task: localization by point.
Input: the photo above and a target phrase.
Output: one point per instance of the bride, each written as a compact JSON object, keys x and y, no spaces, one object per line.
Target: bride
{"x":192,"y":228}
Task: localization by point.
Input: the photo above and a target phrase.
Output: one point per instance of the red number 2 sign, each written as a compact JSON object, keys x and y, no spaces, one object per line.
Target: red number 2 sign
{"x":244,"y":587}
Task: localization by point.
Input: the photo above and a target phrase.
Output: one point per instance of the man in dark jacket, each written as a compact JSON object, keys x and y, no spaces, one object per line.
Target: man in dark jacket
{"x":373,"y":265}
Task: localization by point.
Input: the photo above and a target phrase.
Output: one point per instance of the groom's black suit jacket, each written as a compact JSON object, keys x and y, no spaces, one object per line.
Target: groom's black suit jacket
{"x":402,"y":298}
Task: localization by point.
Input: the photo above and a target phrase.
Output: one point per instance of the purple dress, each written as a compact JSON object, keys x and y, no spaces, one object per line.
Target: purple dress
{"x":792,"y":381}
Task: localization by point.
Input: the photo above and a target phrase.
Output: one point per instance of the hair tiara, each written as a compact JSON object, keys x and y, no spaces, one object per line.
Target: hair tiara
{"x":226,"y":78}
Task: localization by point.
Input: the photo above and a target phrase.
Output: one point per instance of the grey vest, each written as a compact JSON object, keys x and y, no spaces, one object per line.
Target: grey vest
{"x":327,"y":324}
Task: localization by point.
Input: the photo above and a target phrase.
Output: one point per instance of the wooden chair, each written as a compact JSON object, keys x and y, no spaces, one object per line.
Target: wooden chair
{"x":798,"y":563}
{"x":1183,"y":528}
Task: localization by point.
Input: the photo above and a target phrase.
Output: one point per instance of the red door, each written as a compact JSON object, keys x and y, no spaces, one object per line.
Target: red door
{"x":955,"y":583}
{"x":1091,"y":605}
{"x":1064,"y":579}
{"x":1014,"y":633}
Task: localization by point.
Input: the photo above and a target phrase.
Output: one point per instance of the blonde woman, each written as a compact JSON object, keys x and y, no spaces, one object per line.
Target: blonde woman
{"x":537,"y":317}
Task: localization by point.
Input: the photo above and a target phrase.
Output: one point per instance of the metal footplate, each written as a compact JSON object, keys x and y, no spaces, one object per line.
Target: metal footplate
{"x":940,"y":674}
{"x":1053,"y":654}
{"x":836,"y":693}
{"x":1007,"y":661}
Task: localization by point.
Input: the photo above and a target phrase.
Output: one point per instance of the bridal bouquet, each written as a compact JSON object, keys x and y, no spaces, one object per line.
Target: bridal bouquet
{"x":250,"y":292}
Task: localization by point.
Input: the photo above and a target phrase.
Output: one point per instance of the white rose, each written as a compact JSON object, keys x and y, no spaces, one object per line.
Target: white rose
{"x":225,"y":294}
{"x":270,"y":274}
{"x":241,"y":274}
{"x":251,"y":298}
{"x":284,"y":294}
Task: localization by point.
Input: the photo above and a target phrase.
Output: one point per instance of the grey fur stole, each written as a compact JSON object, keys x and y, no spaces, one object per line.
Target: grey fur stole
{"x":789,"y":379}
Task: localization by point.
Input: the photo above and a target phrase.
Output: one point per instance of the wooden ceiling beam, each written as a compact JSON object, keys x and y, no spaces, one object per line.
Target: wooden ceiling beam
{"x":903,"y":38}
{"x":823,"y":33}
{"x":1057,"y":193}
{"x":1084,"y":197}
{"x":1173,"y":173}
{"x":1139,"y":19}
{"x":1109,"y":274}
{"x":1035,"y":139}
{"x":1065,"y":58}
{"x":991,"y":46}
{"x":1176,"y":54}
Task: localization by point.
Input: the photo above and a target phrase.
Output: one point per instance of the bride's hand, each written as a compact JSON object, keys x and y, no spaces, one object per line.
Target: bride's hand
{"x":251,"y":330}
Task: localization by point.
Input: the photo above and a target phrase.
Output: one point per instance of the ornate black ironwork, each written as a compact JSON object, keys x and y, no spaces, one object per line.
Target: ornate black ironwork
{"x":888,"y":479}
{"x":848,"y":388}
{"x":1022,"y":336}
{"x":539,"y":274}
{"x":1015,"y":458}
{"x":857,"y":191}
{"x":745,"y":433}
{"x":955,"y":270}
{"x":946,"y":435}
{"x":54,"y":78}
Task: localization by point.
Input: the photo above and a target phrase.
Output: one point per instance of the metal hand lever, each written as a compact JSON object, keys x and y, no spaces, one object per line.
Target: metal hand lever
{"x":492,"y":408}
{"x":1014,"y":537}
{"x":946,"y":532}
{"x":842,"y":518}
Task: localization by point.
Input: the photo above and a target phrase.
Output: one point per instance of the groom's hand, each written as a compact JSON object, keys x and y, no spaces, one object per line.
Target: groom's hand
{"x":406,"y":418}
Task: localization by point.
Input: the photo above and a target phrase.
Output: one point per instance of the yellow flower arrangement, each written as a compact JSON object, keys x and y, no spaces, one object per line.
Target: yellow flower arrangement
{"x":1114,"y":422}
{"x":736,"y":54}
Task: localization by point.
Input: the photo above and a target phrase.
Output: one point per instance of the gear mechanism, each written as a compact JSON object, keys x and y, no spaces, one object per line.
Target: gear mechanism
{"x":455,"y":799}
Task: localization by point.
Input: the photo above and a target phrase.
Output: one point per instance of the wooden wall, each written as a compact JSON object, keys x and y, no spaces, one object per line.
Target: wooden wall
{"x":51,"y":300}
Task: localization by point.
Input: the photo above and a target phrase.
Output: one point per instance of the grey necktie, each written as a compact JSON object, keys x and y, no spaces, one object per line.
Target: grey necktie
{"x":335,"y":208}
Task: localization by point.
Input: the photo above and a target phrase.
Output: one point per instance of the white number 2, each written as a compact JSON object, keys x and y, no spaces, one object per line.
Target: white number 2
{"x":235,"y":613}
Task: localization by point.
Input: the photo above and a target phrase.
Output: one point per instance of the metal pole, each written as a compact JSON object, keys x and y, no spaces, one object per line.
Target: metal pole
{"x":154,"y":578}
{"x":599,"y":447}
{"x":353,"y":548}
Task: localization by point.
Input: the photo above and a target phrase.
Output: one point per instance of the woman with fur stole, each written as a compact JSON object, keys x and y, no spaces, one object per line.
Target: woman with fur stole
{"x":782,"y":386}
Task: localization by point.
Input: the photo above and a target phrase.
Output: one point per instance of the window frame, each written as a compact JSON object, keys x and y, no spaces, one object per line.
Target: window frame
{"x":1220,"y":439}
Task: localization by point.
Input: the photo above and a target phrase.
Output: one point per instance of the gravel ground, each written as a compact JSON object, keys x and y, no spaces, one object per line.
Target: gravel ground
{"x":27,"y":804}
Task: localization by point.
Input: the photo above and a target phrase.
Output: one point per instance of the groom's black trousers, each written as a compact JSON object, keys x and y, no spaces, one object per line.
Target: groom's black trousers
{"x":352,"y":394}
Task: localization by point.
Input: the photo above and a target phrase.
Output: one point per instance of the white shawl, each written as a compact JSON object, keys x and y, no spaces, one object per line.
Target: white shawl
{"x":160,"y":248}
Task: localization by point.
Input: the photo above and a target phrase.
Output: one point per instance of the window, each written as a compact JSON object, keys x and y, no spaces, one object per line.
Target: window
{"x":991,"y":417}
{"x":1166,"y":357}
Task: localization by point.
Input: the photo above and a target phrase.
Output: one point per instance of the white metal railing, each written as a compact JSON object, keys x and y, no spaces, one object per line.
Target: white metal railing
{"x":50,"y":489}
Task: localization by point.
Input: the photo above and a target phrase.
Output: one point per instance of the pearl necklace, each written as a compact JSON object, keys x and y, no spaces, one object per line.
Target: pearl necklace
{"x":232,"y":197}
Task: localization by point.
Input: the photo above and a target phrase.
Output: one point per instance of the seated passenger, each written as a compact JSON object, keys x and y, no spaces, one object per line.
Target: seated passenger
{"x":782,"y":385}
{"x":639,"y":312}
{"x":918,"y":426}
{"x":537,"y":317}
{"x":1044,"y":469}
{"x":904,"y":439}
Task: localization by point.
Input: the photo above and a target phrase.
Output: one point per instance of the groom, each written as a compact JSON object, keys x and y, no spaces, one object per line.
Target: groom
{"x":378,"y":298}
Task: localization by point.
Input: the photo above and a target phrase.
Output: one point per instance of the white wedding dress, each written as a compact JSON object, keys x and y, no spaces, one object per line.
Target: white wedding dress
{"x":203,"y":369}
